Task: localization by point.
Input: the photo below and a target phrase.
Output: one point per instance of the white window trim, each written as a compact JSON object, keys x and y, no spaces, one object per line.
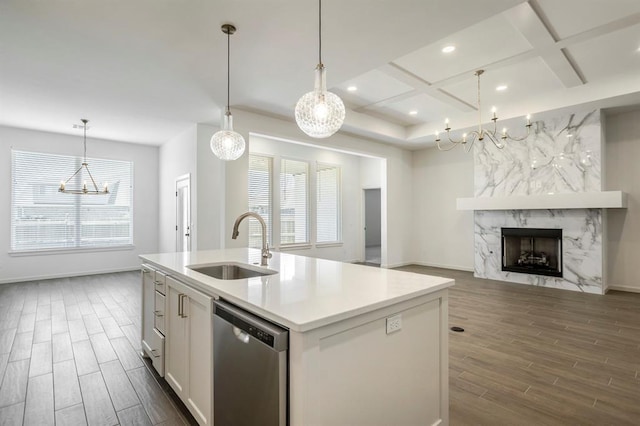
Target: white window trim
{"x":79,"y":249}
{"x":310,"y":225}
{"x":339,"y":241}
{"x":42,"y":252}
{"x":275,"y":243}
{"x":272,"y":200}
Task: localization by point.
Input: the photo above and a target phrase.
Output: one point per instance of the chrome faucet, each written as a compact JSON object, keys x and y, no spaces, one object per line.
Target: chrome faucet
{"x":265,"y":245}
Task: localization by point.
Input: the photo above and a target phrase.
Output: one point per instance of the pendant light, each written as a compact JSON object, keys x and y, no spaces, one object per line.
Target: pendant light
{"x":227,"y":144}
{"x":84,"y":190}
{"x":320,"y":113}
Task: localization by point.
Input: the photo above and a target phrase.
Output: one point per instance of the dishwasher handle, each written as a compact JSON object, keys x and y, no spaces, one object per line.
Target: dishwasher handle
{"x":275,"y":337}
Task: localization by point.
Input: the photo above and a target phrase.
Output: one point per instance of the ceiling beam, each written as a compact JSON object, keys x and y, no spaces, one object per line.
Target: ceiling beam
{"x":530,"y":21}
{"x":399,"y":73}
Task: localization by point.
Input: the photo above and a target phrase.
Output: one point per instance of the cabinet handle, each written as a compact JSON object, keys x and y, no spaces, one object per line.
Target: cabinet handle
{"x":146,"y":271}
{"x":157,"y":282}
{"x":182,"y":314}
{"x":158,"y":313}
{"x":153,"y":352}
{"x":180,"y":305}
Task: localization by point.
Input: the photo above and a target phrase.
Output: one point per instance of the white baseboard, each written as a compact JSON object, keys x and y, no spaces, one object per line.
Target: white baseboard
{"x":432,"y":265}
{"x":624,"y":288}
{"x":396,"y":265}
{"x":439,"y":265}
{"x":66,"y":275}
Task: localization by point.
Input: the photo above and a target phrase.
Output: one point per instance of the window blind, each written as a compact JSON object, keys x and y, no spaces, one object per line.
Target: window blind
{"x":43,"y":218}
{"x":294,"y":215}
{"x":260,"y":168}
{"x":327,"y":203}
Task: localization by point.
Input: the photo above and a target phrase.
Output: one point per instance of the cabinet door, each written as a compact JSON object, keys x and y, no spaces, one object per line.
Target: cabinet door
{"x":148,"y":303}
{"x":176,"y":326}
{"x":200,"y":356}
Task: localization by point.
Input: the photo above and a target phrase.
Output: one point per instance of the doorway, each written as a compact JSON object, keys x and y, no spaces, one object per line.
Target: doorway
{"x":372,"y":226}
{"x":183,"y":213}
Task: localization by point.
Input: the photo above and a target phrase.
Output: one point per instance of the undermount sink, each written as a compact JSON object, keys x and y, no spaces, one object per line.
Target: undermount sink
{"x":231,"y":271}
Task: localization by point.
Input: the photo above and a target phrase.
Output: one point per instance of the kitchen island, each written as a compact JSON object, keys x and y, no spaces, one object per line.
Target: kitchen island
{"x":367,"y":346}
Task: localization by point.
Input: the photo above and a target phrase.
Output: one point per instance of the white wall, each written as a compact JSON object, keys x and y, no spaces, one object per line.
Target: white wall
{"x":622,"y":153}
{"x":443,"y":236}
{"x":177,"y":158}
{"x":371,"y":175}
{"x":350,"y":250}
{"x":145,"y":202}
{"x":211,"y":193}
{"x":396,"y":190}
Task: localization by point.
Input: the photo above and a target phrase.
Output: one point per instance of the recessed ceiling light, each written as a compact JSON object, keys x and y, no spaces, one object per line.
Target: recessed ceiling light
{"x":501,"y":88}
{"x":352,"y":88}
{"x":414,"y":112}
{"x":448,"y":49}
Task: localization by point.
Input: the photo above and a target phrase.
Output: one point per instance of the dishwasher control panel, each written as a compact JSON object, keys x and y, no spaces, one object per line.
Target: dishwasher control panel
{"x":266,"y":332}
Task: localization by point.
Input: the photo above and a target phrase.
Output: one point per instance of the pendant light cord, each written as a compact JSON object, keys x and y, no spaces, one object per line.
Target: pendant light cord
{"x":228,"y":68}
{"x":479,"y":105}
{"x":320,"y":32}
{"x":85,"y":140}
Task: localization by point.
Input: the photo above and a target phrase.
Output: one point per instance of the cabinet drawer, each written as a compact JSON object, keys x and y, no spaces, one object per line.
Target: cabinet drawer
{"x":160,"y":279}
{"x":157,"y":357}
{"x":158,"y":312}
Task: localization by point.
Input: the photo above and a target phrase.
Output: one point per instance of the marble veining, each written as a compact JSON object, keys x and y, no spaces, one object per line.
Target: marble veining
{"x":561,"y":155}
{"x":581,"y":242}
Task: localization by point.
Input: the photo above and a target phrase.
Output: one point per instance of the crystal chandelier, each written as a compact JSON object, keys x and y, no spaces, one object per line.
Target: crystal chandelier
{"x":84,"y":190}
{"x":227,"y":144}
{"x":320,"y":113}
{"x":468,"y":139}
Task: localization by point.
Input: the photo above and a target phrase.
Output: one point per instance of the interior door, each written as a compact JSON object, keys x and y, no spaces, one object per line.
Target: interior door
{"x":183,"y":213}
{"x":372,"y":229}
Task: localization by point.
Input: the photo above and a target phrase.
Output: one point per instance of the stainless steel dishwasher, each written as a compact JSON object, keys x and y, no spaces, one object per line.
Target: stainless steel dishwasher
{"x":250,"y":369}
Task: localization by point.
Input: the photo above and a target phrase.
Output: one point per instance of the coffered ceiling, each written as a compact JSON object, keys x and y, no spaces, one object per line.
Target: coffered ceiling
{"x":143,"y":71}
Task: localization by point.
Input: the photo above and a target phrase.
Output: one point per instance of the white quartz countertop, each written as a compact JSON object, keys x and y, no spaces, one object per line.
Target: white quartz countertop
{"x":306,"y":292}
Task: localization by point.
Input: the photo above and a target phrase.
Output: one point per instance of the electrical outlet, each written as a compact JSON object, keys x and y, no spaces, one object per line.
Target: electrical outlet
{"x":394,"y":323}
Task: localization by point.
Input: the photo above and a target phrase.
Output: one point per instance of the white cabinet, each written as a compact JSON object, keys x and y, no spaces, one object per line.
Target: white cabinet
{"x":189,"y":348}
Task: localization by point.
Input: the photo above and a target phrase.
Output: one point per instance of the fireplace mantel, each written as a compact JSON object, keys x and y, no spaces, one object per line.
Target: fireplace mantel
{"x":583,"y":200}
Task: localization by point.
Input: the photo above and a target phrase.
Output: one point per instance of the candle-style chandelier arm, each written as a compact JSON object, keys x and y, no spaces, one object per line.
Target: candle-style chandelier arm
{"x":491,"y":135}
{"x":466,"y":141}
{"x":506,"y":135}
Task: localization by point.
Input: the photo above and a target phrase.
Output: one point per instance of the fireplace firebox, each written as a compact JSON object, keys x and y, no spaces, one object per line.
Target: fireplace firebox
{"x":532,"y":251}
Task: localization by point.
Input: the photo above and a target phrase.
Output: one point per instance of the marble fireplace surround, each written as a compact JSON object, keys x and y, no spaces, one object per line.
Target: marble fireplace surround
{"x":551,"y":180}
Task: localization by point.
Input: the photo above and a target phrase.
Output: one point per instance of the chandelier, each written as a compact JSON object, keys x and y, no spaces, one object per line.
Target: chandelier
{"x":226,"y":144}
{"x":469,"y":138}
{"x":320,"y":113}
{"x":84,"y":190}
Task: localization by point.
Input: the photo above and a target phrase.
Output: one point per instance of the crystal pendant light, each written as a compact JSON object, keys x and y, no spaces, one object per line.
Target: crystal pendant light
{"x":84,"y":190}
{"x":227,"y":144}
{"x":320,"y":113}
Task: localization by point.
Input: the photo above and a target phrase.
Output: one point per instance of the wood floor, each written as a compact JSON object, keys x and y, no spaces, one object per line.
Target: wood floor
{"x":539,"y":356}
{"x":69,"y":355}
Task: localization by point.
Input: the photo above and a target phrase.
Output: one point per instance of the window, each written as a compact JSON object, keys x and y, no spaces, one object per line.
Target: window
{"x":327,"y":203}
{"x":43,"y":219}
{"x":294,"y":215}
{"x":260,"y":168}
